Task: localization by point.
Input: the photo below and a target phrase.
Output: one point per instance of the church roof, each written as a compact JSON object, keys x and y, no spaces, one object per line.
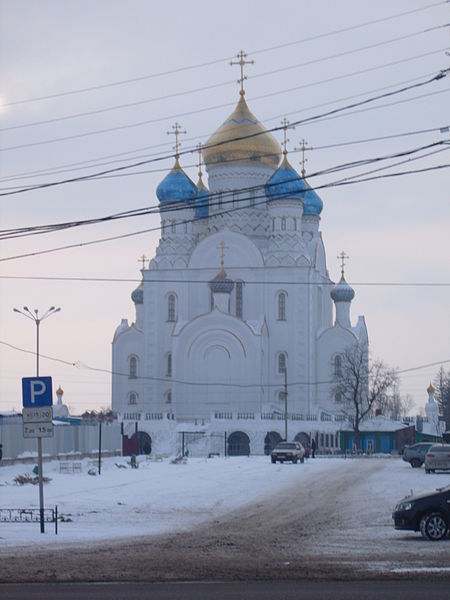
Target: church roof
{"x":138,"y":294}
{"x":312,"y":203}
{"x":342,"y":292}
{"x":242,"y":138}
{"x":176,"y":187}
{"x":286,"y":183}
{"x":202,"y":201}
{"x":221,"y":284}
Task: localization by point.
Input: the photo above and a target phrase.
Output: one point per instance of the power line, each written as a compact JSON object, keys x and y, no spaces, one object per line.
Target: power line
{"x":81,"y":365}
{"x":136,"y":280}
{"x":220,"y":84}
{"x":221,"y":197}
{"x":221,"y":60}
{"x":84,"y":163}
{"x":148,"y":230}
{"x":442,"y":74}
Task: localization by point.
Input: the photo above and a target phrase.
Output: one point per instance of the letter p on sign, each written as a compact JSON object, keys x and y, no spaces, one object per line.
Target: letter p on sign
{"x":37,"y":391}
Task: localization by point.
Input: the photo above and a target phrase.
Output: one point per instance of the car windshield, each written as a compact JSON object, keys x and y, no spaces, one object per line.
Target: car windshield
{"x":286,"y":446}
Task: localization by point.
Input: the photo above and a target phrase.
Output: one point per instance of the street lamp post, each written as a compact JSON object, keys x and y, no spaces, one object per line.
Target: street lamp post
{"x":285,"y":405}
{"x":26,"y":312}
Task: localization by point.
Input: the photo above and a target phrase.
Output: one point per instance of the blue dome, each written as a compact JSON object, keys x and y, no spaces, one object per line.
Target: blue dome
{"x":342,"y":292}
{"x":138,"y":294}
{"x":202,"y":201}
{"x":285,"y":183}
{"x":312,"y":204}
{"x":176,"y":187}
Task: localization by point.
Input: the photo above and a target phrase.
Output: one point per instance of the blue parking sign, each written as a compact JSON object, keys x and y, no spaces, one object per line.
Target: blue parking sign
{"x":37,"y":391}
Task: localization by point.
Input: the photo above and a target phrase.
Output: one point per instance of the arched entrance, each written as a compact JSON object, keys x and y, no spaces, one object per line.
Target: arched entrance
{"x":238,"y":444}
{"x":304,"y":439}
{"x":144,"y":442}
{"x":272,"y":439}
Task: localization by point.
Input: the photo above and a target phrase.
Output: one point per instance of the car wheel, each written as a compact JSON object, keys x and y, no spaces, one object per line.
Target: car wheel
{"x":294,"y":460}
{"x":274,"y":460}
{"x":416,"y":463}
{"x":302,"y":460}
{"x":427,"y":471}
{"x":433,"y":526}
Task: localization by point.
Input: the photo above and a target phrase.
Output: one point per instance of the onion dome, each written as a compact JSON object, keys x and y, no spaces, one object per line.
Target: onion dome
{"x":202,"y":201}
{"x":138,"y":294}
{"x":59,"y":391}
{"x":285,"y":183}
{"x":176,"y":187}
{"x":242,"y":138}
{"x":221,"y":284}
{"x":312,"y":203}
{"x":342,"y":292}
{"x":431,"y":389}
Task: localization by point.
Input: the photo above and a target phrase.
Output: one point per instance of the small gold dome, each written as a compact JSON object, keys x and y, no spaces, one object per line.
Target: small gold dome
{"x":59,"y":391}
{"x":431,"y":389}
{"x":242,"y":138}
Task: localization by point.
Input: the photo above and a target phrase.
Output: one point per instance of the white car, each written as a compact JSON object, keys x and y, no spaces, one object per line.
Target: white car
{"x":437,"y":458}
{"x":288,"y":451}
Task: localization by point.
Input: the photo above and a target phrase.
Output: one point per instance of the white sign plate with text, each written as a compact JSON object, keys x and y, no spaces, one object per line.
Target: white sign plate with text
{"x":38,"y":414}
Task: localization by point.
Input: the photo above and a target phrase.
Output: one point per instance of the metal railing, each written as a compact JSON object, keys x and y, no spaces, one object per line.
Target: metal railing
{"x":29,"y":515}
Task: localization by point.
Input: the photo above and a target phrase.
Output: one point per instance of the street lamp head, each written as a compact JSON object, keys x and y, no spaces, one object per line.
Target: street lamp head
{"x":26,"y":308}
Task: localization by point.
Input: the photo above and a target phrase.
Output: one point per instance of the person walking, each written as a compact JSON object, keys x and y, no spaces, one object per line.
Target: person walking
{"x":313,"y":448}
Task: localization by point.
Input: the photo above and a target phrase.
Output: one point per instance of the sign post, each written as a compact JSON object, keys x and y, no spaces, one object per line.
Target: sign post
{"x":37,"y":421}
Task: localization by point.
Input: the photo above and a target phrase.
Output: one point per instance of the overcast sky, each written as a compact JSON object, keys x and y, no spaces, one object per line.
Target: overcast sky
{"x":395,"y":230}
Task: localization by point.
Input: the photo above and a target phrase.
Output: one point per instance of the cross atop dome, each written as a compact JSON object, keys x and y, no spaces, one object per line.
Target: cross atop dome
{"x":342,"y":256}
{"x":143,"y":259}
{"x":222,"y":249}
{"x":176,"y":132}
{"x":286,"y":125}
{"x":242,"y":62}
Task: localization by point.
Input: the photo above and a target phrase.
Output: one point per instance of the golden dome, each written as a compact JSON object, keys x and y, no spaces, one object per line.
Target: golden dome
{"x":431,"y":389}
{"x":242,"y":138}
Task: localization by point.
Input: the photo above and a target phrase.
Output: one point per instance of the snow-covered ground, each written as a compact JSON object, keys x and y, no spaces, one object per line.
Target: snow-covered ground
{"x":161,"y":497}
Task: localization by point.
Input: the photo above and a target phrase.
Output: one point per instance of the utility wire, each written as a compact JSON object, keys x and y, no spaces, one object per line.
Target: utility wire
{"x":440,"y":75}
{"x":81,"y":365}
{"x":178,"y":115}
{"x":221,"y":60}
{"x":221,"y":84}
{"x":148,"y":230}
{"x":86,"y":163}
{"x":220,"y":196}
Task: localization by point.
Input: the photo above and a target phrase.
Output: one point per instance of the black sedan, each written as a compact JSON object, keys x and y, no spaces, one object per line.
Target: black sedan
{"x":428,"y":513}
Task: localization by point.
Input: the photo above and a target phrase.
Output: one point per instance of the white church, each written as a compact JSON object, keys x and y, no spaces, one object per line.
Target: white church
{"x":239,"y":329}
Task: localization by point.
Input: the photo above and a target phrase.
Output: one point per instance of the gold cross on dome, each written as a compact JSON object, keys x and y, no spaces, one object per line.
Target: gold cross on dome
{"x":143,"y":260}
{"x":342,"y":256}
{"x":304,"y":160}
{"x":242,"y":62}
{"x":285,"y":123}
{"x":176,"y":132}
{"x":199,"y":150}
{"x":222,"y":249}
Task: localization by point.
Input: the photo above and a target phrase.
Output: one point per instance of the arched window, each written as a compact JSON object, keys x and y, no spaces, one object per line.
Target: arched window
{"x":252,"y":198}
{"x":282,"y":397}
{"x":169,"y":365}
{"x":283,"y":224}
{"x":132,"y":398}
{"x":338,"y":396}
{"x":171,"y":307}
{"x":282,"y":306}
{"x":281,"y":362}
{"x":239,"y":299}
{"x":132,"y":367}
{"x":169,"y":397}
{"x":273,"y":224}
{"x":338,"y":365}
{"x":235,"y":199}
{"x":174,"y":227}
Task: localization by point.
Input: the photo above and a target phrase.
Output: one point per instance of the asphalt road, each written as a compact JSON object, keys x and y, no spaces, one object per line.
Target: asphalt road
{"x":241,"y":590}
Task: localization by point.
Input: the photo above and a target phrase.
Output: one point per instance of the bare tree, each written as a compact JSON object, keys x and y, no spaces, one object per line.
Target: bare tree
{"x":361,"y":385}
{"x":442,"y":384}
{"x":394,"y":405}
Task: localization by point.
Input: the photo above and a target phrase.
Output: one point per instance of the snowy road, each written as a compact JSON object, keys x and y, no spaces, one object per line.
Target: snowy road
{"x":225,"y":519}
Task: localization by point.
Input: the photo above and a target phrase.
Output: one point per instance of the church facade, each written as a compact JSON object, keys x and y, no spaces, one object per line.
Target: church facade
{"x":239,"y":329}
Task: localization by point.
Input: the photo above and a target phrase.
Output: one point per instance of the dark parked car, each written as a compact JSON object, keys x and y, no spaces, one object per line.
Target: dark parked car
{"x":415,"y":454}
{"x":428,"y":513}
{"x":292,"y":451}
